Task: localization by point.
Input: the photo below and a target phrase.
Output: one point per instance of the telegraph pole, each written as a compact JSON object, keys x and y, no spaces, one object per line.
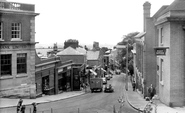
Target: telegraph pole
{"x":127,"y":67}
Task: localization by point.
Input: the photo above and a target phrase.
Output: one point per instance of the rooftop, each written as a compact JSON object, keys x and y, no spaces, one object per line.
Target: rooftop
{"x":14,"y":6}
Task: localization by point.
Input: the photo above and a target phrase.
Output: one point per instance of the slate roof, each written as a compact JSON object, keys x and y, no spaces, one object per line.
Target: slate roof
{"x":93,"y":55}
{"x":177,"y":5}
{"x":69,"y":51}
{"x":81,"y":50}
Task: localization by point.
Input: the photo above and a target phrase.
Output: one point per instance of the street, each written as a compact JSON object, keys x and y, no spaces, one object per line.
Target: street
{"x":98,"y":102}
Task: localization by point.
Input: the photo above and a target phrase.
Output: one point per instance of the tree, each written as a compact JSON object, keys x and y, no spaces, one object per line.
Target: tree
{"x":128,"y":41}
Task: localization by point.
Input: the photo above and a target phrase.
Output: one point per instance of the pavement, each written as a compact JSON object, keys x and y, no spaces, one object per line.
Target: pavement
{"x":6,"y":102}
{"x":136,"y":100}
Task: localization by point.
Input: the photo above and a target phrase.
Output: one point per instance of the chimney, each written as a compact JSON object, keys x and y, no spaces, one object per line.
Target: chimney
{"x":146,"y":13}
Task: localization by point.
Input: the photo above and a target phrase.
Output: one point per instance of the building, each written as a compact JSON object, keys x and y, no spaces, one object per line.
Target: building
{"x":72,"y":43}
{"x":17,"y":45}
{"x":78,"y":57}
{"x":96,"y":46}
{"x":46,"y":75}
{"x":93,"y":58}
{"x":165,"y":32}
{"x":169,"y":28}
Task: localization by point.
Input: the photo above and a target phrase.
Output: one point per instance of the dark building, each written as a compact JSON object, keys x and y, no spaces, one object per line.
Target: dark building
{"x":71,"y":42}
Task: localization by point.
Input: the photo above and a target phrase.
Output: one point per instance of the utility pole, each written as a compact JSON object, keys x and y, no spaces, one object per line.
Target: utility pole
{"x":127,"y":67}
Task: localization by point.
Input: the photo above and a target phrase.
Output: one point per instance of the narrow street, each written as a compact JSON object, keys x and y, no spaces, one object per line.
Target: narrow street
{"x":98,"y":102}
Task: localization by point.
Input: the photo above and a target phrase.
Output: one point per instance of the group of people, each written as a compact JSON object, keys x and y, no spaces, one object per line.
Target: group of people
{"x":21,"y":108}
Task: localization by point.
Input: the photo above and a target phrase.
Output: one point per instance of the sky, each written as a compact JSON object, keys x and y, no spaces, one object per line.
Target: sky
{"x":103,"y":21}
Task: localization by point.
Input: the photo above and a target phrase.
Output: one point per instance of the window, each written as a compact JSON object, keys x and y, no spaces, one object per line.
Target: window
{"x":21,"y":63}
{"x":1,"y":31}
{"x":161,"y":69}
{"x":16,"y":31}
{"x":161,"y":35}
{"x":6,"y":64}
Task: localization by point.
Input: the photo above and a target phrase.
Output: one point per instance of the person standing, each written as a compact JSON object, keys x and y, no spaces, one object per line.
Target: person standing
{"x":151,"y":91}
{"x":134,"y":85}
{"x":34,"y":107}
{"x":19,"y":105}
{"x":23,"y":109}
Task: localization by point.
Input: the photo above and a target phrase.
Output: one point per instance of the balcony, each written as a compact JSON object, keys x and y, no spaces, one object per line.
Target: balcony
{"x":16,"y":6}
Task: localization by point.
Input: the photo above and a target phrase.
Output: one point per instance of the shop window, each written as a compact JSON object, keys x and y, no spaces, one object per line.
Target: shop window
{"x":16,"y":31}
{"x":6,"y":64}
{"x":45,"y":83}
{"x":21,"y":63}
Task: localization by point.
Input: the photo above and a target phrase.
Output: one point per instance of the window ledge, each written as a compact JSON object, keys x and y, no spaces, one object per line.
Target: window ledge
{"x":161,"y":82}
{"x":21,"y":75}
{"x":6,"y":77}
{"x":16,"y":39}
{"x":1,"y":39}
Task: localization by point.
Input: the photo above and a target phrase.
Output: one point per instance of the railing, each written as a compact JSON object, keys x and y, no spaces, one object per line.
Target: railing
{"x":17,"y":6}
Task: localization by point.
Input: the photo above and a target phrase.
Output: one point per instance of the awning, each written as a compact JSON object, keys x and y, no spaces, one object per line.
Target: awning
{"x":93,"y":72}
{"x":103,"y":69}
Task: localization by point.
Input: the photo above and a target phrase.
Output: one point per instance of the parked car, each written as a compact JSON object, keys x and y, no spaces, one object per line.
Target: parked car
{"x":108,"y":88}
{"x":104,"y":80}
{"x":118,"y":72}
{"x":108,"y":77}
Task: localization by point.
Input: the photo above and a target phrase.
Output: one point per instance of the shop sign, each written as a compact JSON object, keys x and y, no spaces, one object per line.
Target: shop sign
{"x":13,"y":47}
{"x":160,"y":50}
{"x":60,"y":70}
{"x":69,"y":67}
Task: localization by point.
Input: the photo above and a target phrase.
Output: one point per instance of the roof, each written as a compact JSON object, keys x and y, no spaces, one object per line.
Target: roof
{"x":160,"y":10}
{"x":81,"y":50}
{"x":69,"y":51}
{"x":177,"y":5}
{"x":141,"y":34}
{"x":120,"y":46}
{"x":93,"y":55}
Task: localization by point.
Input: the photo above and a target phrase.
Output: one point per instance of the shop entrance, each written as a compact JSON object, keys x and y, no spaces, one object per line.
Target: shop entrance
{"x":45,"y":85}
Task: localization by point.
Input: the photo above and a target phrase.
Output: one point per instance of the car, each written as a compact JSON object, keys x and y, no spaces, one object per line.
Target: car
{"x":104,"y":80}
{"x":108,"y":88}
{"x":118,"y":72}
{"x":108,"y":77}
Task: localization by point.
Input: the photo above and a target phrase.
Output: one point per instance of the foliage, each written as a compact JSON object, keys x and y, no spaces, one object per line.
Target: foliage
{"x":128,"y":40}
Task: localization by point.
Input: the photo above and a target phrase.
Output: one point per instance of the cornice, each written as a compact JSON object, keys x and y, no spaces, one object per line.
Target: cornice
{"x":18,"y":43}
{"x":18,"y":12}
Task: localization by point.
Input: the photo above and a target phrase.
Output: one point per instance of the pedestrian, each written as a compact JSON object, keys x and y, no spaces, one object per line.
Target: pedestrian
{"x":134,"y":85}
{"x":34,"y":107}
{"x":151,"y":91}
{"x":19,"y":105}
{"x":23,"y":109}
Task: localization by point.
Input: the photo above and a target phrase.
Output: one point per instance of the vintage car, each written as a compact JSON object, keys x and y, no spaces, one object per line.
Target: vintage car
{"x":108,"y":88}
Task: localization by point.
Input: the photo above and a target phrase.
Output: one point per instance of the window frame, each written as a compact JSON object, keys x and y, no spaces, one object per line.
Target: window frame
{"x":6,"y":65}
{"x":16,"y":31}
{"x":161,"y":71}
{"x":161,"y":36}
{"x":1,"y":31}
{"x":21,"y":66}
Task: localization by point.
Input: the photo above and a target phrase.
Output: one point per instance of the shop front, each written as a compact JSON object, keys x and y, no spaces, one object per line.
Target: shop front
{"x":65,"y":77}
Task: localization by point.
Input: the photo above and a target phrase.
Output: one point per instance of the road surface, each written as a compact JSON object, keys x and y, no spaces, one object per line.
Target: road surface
{"x":98,"y":102}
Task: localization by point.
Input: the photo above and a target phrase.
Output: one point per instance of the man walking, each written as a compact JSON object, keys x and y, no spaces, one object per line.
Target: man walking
{"x":19,"y":105}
